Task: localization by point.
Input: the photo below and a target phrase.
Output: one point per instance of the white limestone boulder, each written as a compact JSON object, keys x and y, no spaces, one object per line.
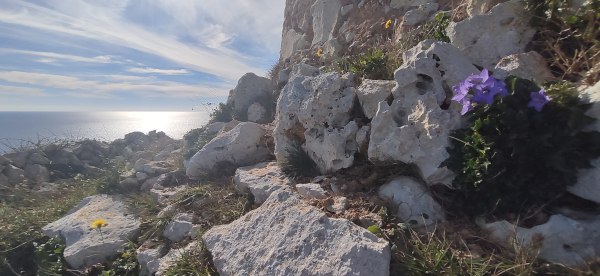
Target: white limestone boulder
{"x":413,"y":201}
{"x":257,"y":113}
{"x":242,"y":146}
{"x":260,"y":180}
{"x":314,"y":110}
{"x":325,"y":16}
{"x":250,"y":88}
{"x":179,"y":227}
{"x":311,"y":191}
{"x":86,"y":246}
{"x":415,"y":127}
{"x":560,"y":240}
{"x":420,"y":14}
{"x":371,"y":92}
{"x":487,"y":38}
{"x":530,"y":65}
{"x":286,"y":236}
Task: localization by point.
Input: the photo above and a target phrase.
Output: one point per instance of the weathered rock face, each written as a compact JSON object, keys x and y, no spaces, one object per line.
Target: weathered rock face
{"x":250,"y":89}
{"x":242,"y":146}
{"x":311,"y":191}
{"x":337,"y":26}
{"x":260,"y":180}
{"x":561,"y":239}
{"x":487,"y":38}
{"x":415,"y":127}
{"x":371,"y":92}
{"x":530,"y":65}
{"x":86,"y":246}
{"x":286,"y":236}
{"x":179,"y":227}
{"x":588,"y":180}
{"x":153,"y":262}
{"x":313,"y":110}
{"x":413,"y":200}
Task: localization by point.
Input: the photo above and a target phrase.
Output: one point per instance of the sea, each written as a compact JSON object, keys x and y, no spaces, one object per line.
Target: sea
{"x":24,"y":129}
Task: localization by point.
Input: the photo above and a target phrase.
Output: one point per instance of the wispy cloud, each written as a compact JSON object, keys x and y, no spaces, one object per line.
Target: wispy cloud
{"x":48,"y":57}
{"x":146,"y":87}
{"x":108,"y":24}
{"x":20,"y":91}
{"x":148,"y":70}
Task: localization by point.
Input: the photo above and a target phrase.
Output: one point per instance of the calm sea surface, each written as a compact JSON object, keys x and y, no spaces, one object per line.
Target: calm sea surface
{"x":17,"y":128}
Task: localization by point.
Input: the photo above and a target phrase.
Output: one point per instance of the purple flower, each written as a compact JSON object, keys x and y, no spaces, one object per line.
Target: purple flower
{"x":483,"y":87}
{"x":538,"y":100}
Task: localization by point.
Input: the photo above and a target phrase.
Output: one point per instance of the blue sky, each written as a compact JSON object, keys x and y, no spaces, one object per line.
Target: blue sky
{"x":104,"y":55}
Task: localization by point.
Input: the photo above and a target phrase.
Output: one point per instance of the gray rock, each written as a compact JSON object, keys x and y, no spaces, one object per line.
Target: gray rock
{"x":19,"y":159}
{"x":179,"y":227}
{"x":257,"y":113}
{"x":311,"y":190}
{"x":37,"y":173}
{"x":129,"y":184}
{"x":316,"y":109}
{"x":149,"y":183}
{"x":346,"y":9}
{"x":588,"y":180}
{"x":530,"y":65}
{"x":415,"y":128}
{"x":164,"y":194}
{"x":403,"y":4}
{"x":86,"y":246}
{"x":560,"y":240}
{"x":241,"y":146}
{"x":340,"y":204}
{"x":325,"y":15}
{"x":260,"y":180}
{"x":477,"y":7}
{"x":4,"y":160}
{"x":149,"y":260}
{"x":506,"y":31}
{"x":214,"y":127}
{"x":15,"y":175}
{"x":4,"y":181}
{"x":250,"y":89}
{"x":141,"y":176}
{"x":286,"y":236}
{"x":420,"y":14}
{"x":371,"y":92}
{"x":413,"y":200}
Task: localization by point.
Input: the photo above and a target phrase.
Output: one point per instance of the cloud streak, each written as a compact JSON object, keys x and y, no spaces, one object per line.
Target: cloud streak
{"x":148,"y":70}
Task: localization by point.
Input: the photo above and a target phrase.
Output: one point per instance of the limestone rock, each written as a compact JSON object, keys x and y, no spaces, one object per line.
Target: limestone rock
{"x":530,"y":65}
{"x":257,"y":113}
{"x":3,"y":181}
{"x":151,"y":168}
{"x":588,"y":180}
{"x":91,"y":151}
{"x":560,"y":240}
{"x":4,"y":160}
{"x":325,"y":14}
{"x":315,"y":109}
{"x":15,"y":175}
{"x":214,"y":127}
{"x":340,"y":204}
{"x":477,"y":7}
{"x":250,"y":88}
{"x":291,"y":42}
{"x":241,"y":146}
{"x":420,"y":14}
{"x":129,"y":184}
{"x":37,"y":173}
{"x":311,"y":190}
{"x":149,"y":260}
{"x":415,"y":127}
{"x":179,"y":227}
{"x":489,"y":37}
{"x":86,"y":246}
{"x":371,"y":92}
{"x":413,"y":200}
{"x":260,"y":180}
{"x":403,"y":4}
{"x":154,"y":263}
{"x":286,"y":236}
{"x":18,"y":159}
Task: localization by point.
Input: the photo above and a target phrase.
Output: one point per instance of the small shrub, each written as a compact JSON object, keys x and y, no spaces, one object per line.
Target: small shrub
{"x":108,"y":183}
{"x":515,"y":155}
{"x":49,"y":257}
{"x":373,"y":64}
{"x":298,"y":163}
{"x":197,"y":261}
{"x":195,"y":139}
{"x":223,"y":113}
{"x":126,"y":263}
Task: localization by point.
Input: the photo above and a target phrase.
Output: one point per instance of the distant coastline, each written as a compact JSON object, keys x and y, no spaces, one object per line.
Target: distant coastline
{"x":23,"y":128}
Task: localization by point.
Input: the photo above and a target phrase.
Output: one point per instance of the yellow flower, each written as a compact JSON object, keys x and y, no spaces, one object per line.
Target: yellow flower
{"x":99,"y":223}
{"x":319,"y":52}
{"x":388,"y":23}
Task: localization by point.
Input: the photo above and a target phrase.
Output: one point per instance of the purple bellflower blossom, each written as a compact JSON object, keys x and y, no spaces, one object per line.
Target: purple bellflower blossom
{"x":538,"y":100}
{"x":484,"y":88}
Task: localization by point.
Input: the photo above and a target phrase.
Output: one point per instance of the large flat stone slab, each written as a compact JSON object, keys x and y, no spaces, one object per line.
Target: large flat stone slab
{"x":286,"y":236}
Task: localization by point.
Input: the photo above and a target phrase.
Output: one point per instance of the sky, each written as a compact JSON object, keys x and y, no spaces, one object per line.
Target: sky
{"x":132,"y":55}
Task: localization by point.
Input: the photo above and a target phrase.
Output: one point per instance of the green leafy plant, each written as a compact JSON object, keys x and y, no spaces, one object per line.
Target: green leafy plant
{"x":298,"y":163}
{"x":520,"y":151}
{"x":126,"y":263}
{"x":49,"y":257}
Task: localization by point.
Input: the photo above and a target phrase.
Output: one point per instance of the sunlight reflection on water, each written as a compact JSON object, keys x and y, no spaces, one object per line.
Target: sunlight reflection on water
{"x":16,"y":127}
